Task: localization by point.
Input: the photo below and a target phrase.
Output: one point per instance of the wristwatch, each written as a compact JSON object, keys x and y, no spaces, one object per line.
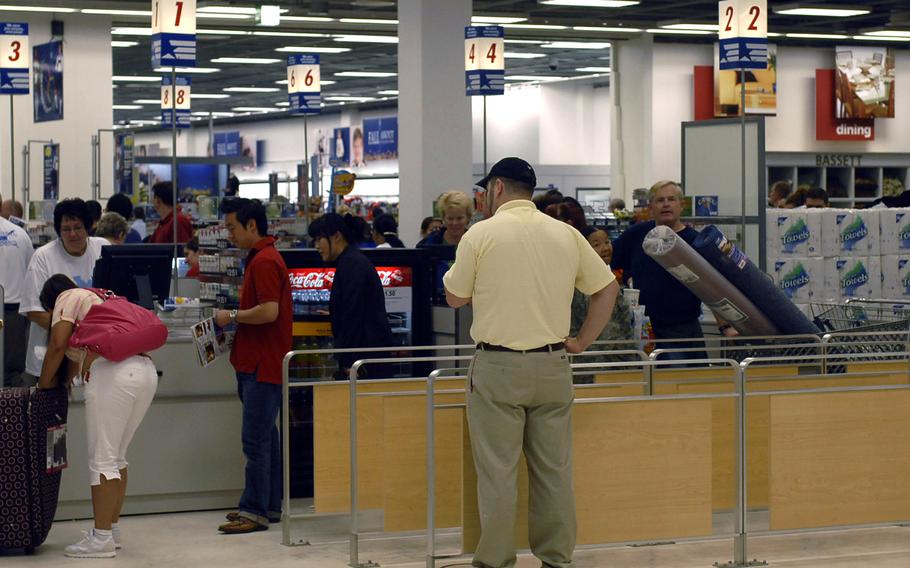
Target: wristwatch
{"x":233,"y":316}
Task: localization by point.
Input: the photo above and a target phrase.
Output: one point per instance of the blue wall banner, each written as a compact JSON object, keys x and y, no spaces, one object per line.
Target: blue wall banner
{"x":380,"y":138}
{"x":227,"y":144}
{"x":51,"y":171}
{"x":14,"y":58}
{"x":123,"y":163}
{"x":47,"y":76}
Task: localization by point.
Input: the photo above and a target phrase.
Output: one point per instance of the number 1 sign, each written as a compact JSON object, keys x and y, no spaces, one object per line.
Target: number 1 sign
{"x":14,"y":59}
{"x":484,"y":64}
{"x":303,"y":84}
{"x":743,"y":34}
{"x":173,"y":33}
{"x":180,"y":95}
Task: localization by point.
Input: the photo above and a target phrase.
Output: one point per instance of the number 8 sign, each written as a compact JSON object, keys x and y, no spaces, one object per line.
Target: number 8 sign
{"x":743,"y":34}
{"x":173,"y":33}
{"x":14,"y":59}
{"x":304,"y":84}
{"x":484,"y":63}
{"x":180,"y":95}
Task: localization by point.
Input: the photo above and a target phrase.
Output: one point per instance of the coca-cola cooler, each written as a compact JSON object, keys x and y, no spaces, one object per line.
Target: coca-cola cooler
{"x":406,"y":276}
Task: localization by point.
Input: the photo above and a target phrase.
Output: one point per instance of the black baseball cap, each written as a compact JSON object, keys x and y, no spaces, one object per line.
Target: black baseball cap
{"x":511,"y":168}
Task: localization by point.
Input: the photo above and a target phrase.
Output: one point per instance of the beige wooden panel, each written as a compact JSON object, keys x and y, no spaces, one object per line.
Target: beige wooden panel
{"x":642,"y":471}
{"x":873,"y":366}
{"x":405,"y":467}
{"x":608,"y":391}
{"x":839,"y":458}
{"x":331,"y":442}
{"x":619,"y":376}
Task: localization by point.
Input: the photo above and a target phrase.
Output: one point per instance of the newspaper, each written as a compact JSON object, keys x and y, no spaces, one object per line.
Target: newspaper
{"x":211,"y":341}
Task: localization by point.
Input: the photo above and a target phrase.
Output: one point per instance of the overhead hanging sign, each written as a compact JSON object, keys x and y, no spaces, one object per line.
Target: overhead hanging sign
{"x":14,"y":59}
{"x":743,"y":34}
{"x":175,"y":101}
{"x":51,"y":171}
{"x":484,"y":61}
{"x":303,"y":84}
{"x":173,"y":33}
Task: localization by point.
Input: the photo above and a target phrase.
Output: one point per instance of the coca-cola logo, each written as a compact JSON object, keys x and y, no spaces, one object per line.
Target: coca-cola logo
{"x":312,"y":279}
{"x":392,"y":277}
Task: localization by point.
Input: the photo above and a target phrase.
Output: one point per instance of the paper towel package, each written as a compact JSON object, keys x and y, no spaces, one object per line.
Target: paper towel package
{"x":896,"y":277}
{"x":895,"y":230}
{"x":872,"y":219}
{"x":844,"y":233}
{"x":793,"y":232}
{"x":801,"y":278}
{"x":847,"y":277}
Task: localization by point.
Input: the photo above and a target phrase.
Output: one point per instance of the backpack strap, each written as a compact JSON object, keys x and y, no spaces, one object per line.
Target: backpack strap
{"x":102,"y":293}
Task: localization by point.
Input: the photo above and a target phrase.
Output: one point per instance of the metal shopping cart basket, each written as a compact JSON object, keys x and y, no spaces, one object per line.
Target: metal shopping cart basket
{"x":867,"y":326}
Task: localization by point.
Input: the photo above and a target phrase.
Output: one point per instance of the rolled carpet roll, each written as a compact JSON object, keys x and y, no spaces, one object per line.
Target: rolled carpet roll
{"x":679,"y":259}
{"x":736,"y":267}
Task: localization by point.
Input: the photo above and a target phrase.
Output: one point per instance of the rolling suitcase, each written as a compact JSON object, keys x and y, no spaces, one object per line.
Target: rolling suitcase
{"x":32,"y":455}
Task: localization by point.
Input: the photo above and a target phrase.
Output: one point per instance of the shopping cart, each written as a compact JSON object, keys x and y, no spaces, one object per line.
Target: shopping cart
{"x":864,"y":325}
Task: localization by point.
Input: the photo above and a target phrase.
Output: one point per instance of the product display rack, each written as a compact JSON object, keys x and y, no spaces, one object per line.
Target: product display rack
{"x":851,"y":180}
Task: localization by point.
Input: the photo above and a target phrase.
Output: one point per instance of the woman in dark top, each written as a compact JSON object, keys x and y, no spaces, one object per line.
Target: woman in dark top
{"x":385,"y":232}
{"x":357,"y":301}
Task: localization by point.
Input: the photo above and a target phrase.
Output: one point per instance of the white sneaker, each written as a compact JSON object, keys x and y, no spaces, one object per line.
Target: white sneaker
{"x":91,"y":546}
{"x":116,"y":533}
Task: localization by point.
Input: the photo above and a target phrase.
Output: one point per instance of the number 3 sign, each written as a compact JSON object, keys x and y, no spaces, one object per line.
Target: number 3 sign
{"x":484,"y":64}
{"x":173,"y":33}
{"x":743,"y":34}
{"x":14,"y":59}
{"x":303,"y":84}
{"x":179,"y":95}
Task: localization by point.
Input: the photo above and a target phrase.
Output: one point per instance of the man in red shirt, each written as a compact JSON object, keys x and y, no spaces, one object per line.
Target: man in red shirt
{"x":263,"y":337}
{"x":163,"y":202}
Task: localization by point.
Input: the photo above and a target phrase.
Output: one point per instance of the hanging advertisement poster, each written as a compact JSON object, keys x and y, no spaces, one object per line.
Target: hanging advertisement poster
{"x":864,"y":85}
{"x":227,"y":143}
{"x":340,"y":147}
{"x":380,"y":139}
{"x":123,"y":163}
{"x":760,"y":86}
{"x":47,"y":79}
{"x":51,"y":171}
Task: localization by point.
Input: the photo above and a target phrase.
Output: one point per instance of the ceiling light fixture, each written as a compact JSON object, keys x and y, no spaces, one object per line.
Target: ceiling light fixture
{"x":520,"y":55}
{"x":817,"y":36}
{"x":592,"y":3}
{"x":126,"y":107}
{"x":184,"y":70}
{"x":886,"y":33}
{"x":147,"y":101}
{"x":366,"y":74}
{"x":676,"y":32}
{"x":8,"y":8}
{"x":576,"y":45}
{"x":135,"y":78}
{"x":350,"y":99}
{"x":131,"y":31}
{"x":389,"y":92}
{"x":256,"y":109}
{"x":209,"y":96}
{"x":881,"y":38}
{"x":525,"y":41}
{"x":251,"y":90}
{"x":532,"y":78}
{"x":306,"y":19}
{"x":534,"y":27}
{"x":365,"y":39}
{"x":288,"y":34}
{"x":208,"y":16}
{"x":247,"y":60}
{"x":311,"y":49}
{"x":321,"y":82}
{"x":146,"y":13}
{"x":606,"y":29}
{"x":696,"y":26}
{"x":588,"y":70}
{"x":368,"y":21}
{"x":497,"y":19}
{"x":821,"y":10}
{"x":116,"y":43}
{"x":282,"y":104}
{"x":213,"y":31}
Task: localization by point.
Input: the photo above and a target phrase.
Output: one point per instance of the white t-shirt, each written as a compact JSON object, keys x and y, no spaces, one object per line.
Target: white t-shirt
{"x":139,"y":226}
{"x":15,"y":253}
{"x":48,"y":260}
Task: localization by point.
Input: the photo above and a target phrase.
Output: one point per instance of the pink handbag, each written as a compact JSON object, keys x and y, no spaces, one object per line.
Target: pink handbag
{"x":118,"y":329}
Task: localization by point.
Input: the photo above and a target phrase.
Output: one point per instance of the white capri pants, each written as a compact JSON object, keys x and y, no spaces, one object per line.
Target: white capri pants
{"x":117,"y":397}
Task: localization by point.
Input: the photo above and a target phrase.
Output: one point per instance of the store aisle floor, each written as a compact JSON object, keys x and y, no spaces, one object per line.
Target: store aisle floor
{"x":191,"y":540}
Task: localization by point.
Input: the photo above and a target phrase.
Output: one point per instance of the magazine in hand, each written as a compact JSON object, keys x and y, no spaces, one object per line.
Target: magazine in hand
{"x":212,"y":341}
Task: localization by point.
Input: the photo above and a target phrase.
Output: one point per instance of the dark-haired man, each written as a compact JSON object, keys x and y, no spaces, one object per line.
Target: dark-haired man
{"x":72,"y":253}
{"x":520,"y":269}
{"x":163,"y":202}
{"x":15,"y":253}
{"x":263,"y":338}
{"x":121,"y":203}
{"x":817,"y":198}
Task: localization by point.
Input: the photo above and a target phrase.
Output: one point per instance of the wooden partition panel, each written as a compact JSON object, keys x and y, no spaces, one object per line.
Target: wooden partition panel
{"x":839,"y":458}
{"x":642,"y":471}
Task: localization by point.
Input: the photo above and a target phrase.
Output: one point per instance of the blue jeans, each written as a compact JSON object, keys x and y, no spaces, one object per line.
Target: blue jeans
{"x":261,"y":497}
{"x":687,"y":330}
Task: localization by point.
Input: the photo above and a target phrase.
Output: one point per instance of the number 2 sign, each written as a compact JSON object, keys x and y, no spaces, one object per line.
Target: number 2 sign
{"x":14,"y":59}
{"x":743,"y":34}
{"x":304,"y":84}
{"x":175,"y":101}
{"x":484,"y":61}
{"x":173,"y":33}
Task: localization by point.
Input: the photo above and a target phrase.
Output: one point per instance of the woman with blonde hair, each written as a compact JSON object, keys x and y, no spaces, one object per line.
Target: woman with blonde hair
{"x":456,"y":208}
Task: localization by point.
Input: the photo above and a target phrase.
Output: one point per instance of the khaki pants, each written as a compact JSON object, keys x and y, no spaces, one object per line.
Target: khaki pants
{"x":523,"y":402}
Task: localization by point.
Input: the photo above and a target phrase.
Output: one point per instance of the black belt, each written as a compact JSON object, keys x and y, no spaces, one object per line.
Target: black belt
{"x":10,"y":307}
{"x":544,"y":349}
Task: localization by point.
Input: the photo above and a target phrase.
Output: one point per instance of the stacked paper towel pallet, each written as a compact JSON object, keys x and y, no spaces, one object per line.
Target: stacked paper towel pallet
{"x":831,"y":255}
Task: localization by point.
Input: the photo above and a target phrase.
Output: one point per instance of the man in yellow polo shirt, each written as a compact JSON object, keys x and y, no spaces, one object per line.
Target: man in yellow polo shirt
{"x":519,"y":269}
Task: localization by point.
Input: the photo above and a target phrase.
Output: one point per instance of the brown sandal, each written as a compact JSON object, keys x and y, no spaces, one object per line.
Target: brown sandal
{"x":241,"y":525}
{"x":234,"y":515}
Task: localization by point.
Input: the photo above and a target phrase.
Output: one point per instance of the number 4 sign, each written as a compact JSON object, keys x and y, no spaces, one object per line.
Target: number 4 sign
{"x":484,"y":64}
{"x":173,"y":33}
{"x":743,"y":34}
{"x":303,"y":84}
{"x":180,"y":95}
{"x":14,"y":59}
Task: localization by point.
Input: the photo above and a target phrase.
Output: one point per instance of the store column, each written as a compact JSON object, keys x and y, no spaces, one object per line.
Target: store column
{"x":434,"y":115}
{"x":633,"y":115}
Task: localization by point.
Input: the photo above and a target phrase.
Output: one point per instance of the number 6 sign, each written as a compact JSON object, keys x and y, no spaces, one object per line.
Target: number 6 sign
{"x":173,"y":33}
{"x":484,"y":64}
{"x":303,"y":84}
{"x":743,"y":34}
{"x":179,"y":95}
{"x":14,"y":59}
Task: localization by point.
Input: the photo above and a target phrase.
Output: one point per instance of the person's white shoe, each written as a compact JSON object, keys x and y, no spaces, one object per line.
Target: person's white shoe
{"x":91,"y":546}
{"x":115,"y":532}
